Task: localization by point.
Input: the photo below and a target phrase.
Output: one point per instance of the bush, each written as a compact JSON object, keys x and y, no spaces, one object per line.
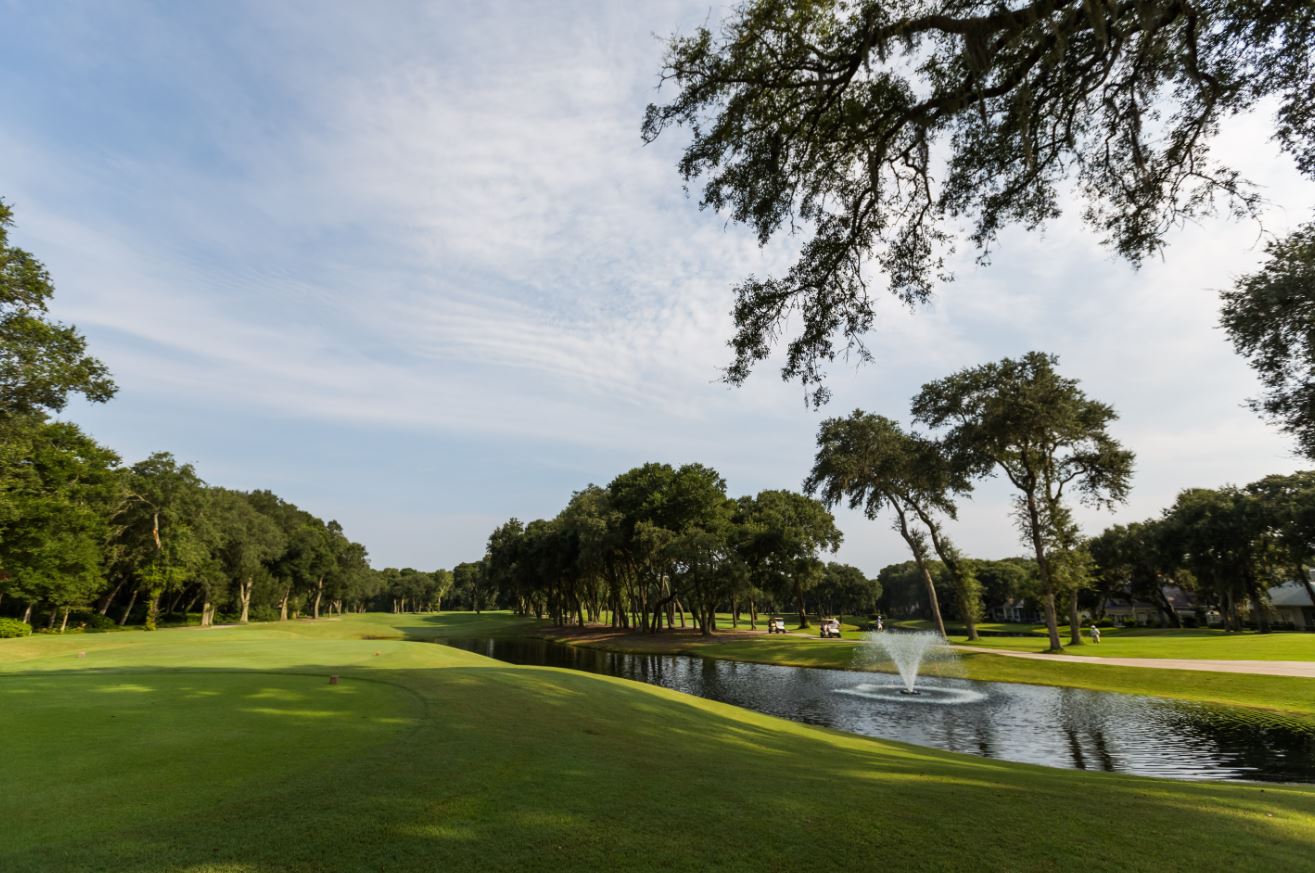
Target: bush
{"x":263,"y":613}
{"x":12,"y":627}
{"x":93,"y":622}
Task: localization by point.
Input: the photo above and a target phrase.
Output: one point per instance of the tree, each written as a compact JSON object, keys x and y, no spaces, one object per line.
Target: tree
{"x":1130,"y":558}
{"x":1010,"y":579}
{"x":55,"y":505}
{"x":845,"y":589}
{"x":442,"y":585}
{"x":833,"y":118}
{"x":468,"y":583}
{"x":1270,"y":317}
{"x":1022,"y":418}
{"x":1222,"y":538}
{"x":249,"y":540}
{"x":1287,"y":504}
{"x":165,"y":533}
{"x":42,"y":361}
{"x":785,"y":533}
{"x":869,"y":462}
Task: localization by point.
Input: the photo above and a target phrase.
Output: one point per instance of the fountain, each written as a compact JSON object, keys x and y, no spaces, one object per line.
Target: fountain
{"x":907,"y":651}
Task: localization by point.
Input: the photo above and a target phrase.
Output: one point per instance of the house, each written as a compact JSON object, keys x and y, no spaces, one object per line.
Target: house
{"x":1292,"y":605}
{"x":1016,"y":611}
{"x":1126,"y":610}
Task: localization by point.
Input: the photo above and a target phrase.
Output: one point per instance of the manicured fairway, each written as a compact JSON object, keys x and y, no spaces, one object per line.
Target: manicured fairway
{"x":227,"y":750}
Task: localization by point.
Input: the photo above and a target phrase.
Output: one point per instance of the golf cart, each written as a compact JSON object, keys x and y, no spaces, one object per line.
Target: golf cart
{"x":830,"y":629}
{"x":776,"y":625}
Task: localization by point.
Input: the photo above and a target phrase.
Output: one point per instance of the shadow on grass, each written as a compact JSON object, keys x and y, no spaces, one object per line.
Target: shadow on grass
{"x":515,"y":768}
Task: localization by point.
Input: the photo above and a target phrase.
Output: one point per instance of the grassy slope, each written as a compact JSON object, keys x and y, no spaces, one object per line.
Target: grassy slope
{"x":228,"y":750}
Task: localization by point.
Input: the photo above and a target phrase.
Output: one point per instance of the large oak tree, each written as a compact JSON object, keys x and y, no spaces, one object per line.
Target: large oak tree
{"x":876,"y":128}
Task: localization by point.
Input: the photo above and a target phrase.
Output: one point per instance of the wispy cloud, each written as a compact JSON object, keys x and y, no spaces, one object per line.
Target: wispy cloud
{"x":310,"y":231}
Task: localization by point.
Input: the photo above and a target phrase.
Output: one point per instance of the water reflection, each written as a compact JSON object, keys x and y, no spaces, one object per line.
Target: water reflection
{"x":1058,"y":727}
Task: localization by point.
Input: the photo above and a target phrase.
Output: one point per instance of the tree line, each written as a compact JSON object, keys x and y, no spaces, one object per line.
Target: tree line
{"x":1225,"y":546}
{"x":659,"y":542}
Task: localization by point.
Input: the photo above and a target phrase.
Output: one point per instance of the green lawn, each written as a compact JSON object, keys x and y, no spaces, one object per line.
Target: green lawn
{"x":228,"y":750}
{"x":1119,"y":642}
{"x":1173,"y":643}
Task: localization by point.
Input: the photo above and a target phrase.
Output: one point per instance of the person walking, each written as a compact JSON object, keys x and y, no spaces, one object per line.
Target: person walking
{"x":1095,"y":634}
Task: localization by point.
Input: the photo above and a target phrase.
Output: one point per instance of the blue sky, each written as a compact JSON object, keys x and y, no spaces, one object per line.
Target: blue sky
{"x":410,"y":266}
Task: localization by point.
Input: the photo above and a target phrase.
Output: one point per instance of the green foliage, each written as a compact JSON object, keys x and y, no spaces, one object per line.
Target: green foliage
{"x":1270,"y":317}
{"x":1022,"y":419}
{"x":870,"y":462}
{"x":58,"y":488}
{"x":878,"y":128}
{"x":12,"y":627}
{"x":42,"y":361}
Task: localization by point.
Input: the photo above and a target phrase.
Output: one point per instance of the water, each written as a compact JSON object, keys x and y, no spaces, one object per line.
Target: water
{"x":1057,"y":727}
{"x":906,"y":651}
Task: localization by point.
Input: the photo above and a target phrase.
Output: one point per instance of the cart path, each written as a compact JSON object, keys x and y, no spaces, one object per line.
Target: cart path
{"x":1303,"y":669}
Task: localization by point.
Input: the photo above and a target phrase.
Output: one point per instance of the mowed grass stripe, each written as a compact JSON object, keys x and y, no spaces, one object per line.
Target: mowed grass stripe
{"x":511,"y":768}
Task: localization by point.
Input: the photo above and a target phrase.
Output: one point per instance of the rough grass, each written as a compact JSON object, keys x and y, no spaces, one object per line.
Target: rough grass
{"x":227,"y":750}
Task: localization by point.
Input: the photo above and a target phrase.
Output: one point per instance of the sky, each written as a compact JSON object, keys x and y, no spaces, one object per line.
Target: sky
{"x":410,"y":266}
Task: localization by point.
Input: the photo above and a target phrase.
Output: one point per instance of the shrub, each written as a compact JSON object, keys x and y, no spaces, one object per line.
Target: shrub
{"x":12,"y":627}
{"x":93,"y":622}
{"x":263,"y":613}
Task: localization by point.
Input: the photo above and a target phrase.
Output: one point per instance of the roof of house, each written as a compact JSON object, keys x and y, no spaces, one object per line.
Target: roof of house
{"x":1290,"y":594}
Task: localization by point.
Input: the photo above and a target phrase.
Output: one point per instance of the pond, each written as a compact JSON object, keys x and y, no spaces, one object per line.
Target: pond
{"x":1057,"y":727}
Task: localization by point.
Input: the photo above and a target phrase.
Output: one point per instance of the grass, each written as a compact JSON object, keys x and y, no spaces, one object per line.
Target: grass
{"x":1145,"y":642}
{"x":228,"y":750}
{"x":1172,"y":643}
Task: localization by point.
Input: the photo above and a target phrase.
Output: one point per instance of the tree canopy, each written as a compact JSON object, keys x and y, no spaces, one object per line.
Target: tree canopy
{"x":1023,"y":419}
{"x":42,"y":361}
{"x":1270,"y":317}
{"x":874,"y":128}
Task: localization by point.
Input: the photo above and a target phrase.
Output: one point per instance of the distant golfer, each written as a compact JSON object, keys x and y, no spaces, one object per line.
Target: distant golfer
{"x":1095,"y":634}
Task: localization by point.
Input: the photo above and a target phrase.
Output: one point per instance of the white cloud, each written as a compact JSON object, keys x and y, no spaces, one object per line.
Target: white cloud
{"x":441,"y":220}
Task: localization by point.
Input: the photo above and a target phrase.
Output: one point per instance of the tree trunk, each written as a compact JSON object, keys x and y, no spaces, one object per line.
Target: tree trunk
{"x":1074,"y":620}
{"x":753,"y":614}
{"x":917,"y":548}
{"x":1304,"y":575}
{"x":63,"y":625}
{"x":153,"y":611}
{"x":283,"y":603}
{"x":207,"y":611}
{"x":949,"y":557}
{"x":1166,"y":608}
{"x":103,"y":607}
{"x":132,"y":601}
{"x":244,"y":594}
{"x":1261,"y":613}
{"x":319,"y":592}
{"x":27,"y":614}
{"x":1043,"y":567}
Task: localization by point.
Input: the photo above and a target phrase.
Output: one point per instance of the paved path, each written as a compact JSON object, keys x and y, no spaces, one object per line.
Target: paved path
{"x":1305,"y":669}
